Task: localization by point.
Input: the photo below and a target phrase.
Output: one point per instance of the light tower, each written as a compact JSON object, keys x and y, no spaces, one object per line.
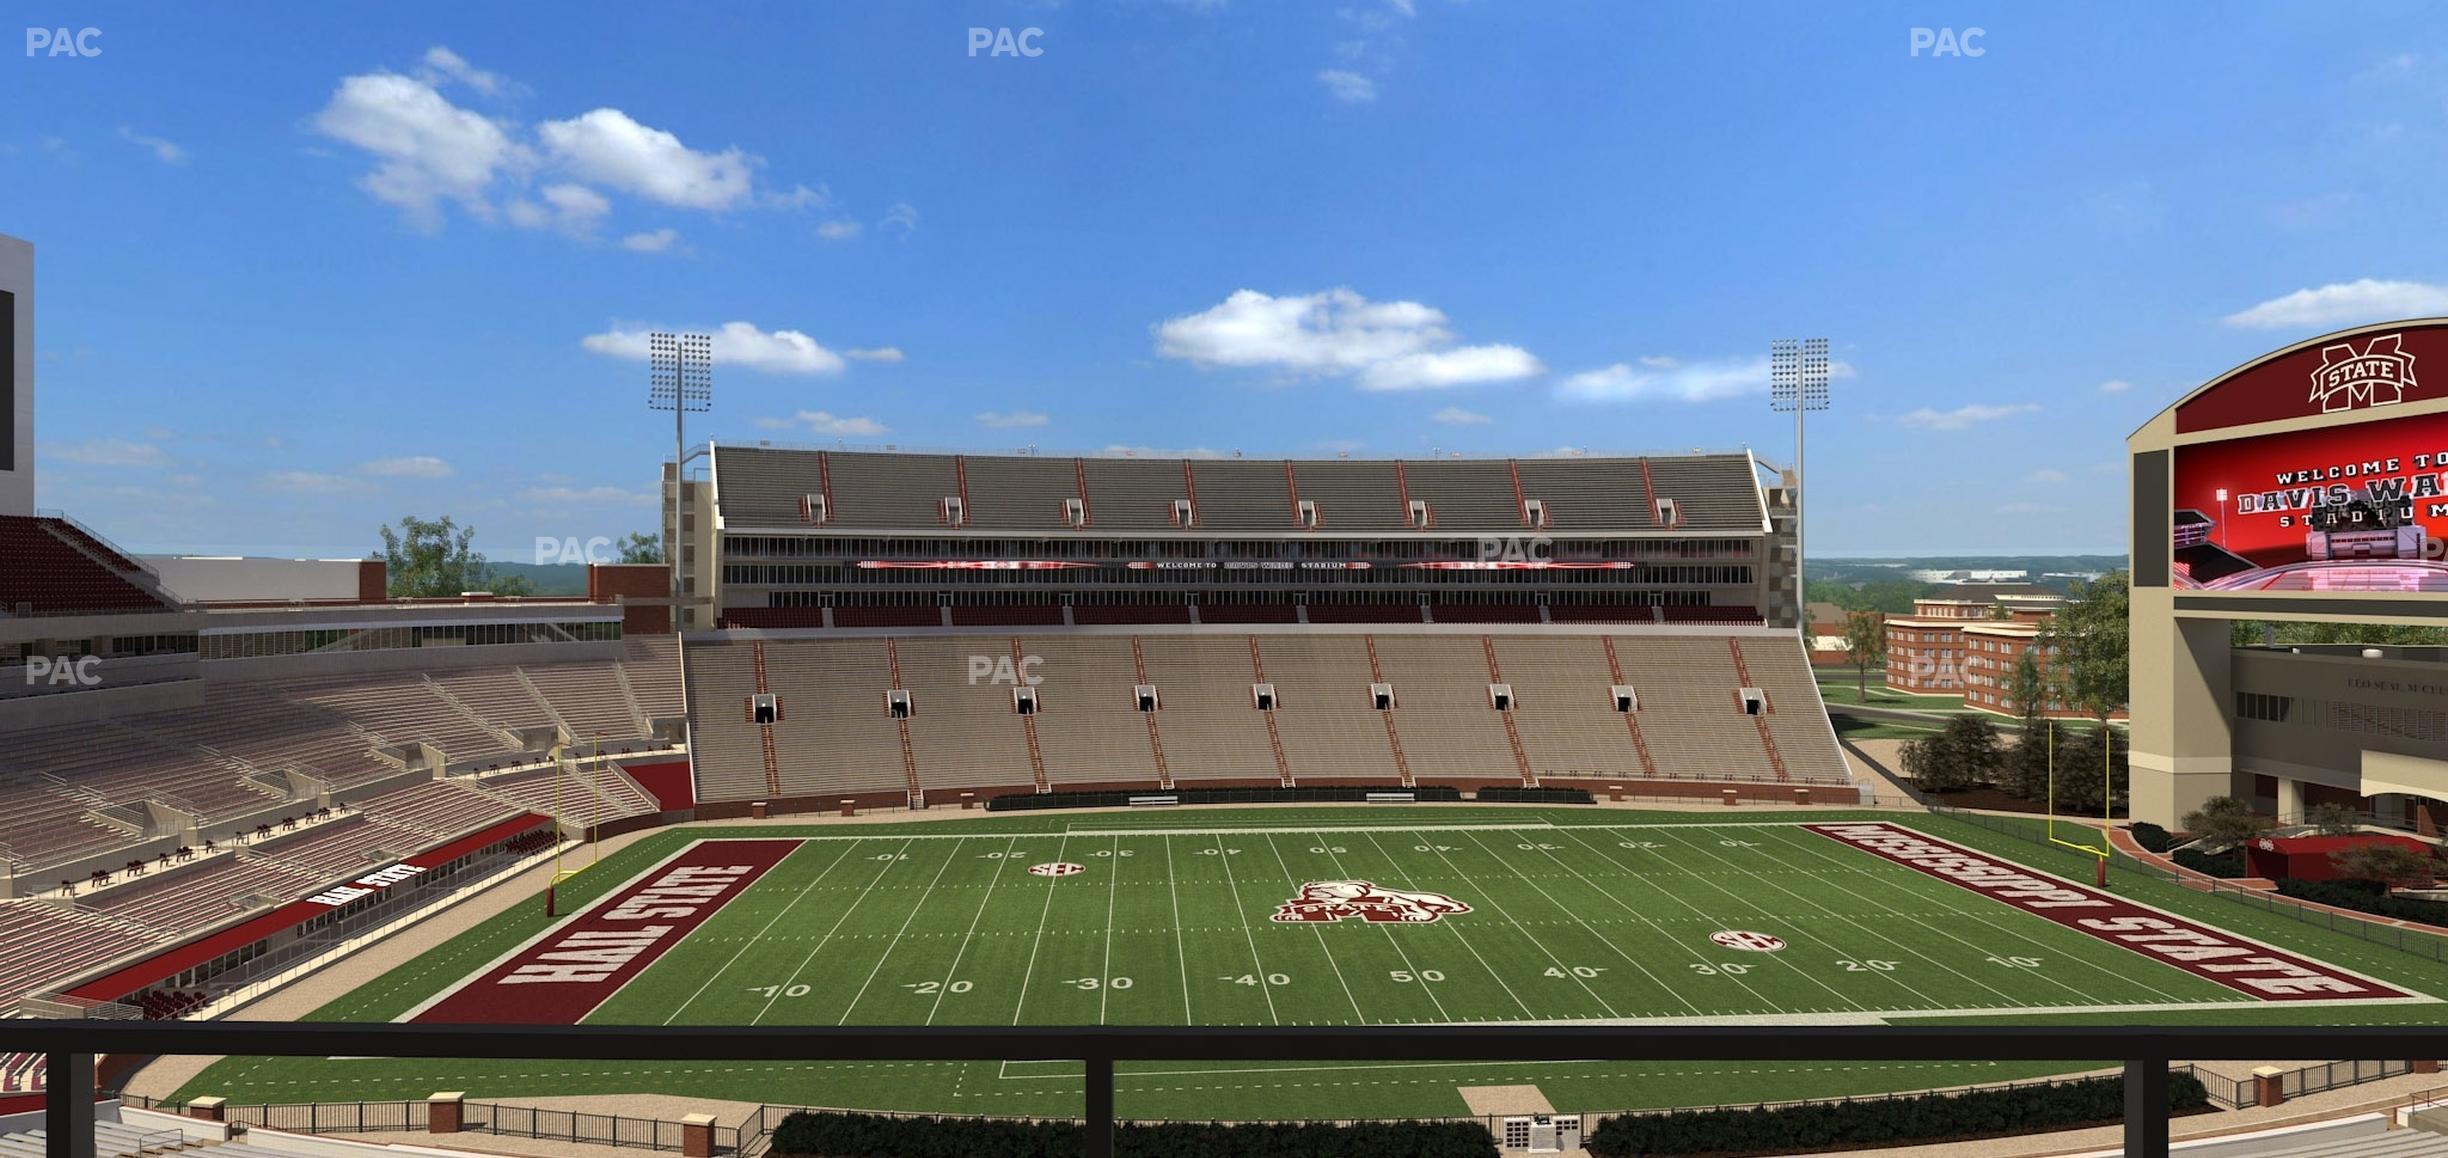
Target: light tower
{"x":681,"y":370}
{"x":1798,"y":381}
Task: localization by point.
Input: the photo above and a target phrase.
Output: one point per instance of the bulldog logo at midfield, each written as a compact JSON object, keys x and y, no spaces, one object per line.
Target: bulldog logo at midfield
{"x":1335,"y":900}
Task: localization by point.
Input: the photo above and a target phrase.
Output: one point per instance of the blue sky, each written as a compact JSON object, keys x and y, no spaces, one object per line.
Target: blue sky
{"x":307,"y":268}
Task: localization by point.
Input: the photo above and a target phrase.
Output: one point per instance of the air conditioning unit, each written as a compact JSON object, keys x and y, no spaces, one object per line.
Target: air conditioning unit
{"x":1262,"y":697}
{"x":1306,"y":511}
{"x":1075,"y":513}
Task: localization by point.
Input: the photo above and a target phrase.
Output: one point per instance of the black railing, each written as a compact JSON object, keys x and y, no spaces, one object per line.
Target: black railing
{"x":2145,"y":1051}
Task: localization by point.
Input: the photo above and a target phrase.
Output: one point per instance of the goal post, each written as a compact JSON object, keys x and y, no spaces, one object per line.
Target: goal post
{"x":2095,"y":842}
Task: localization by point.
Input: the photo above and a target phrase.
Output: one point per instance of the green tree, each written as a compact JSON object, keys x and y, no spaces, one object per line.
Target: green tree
{"x":1963,"y":755}
{"x":2089,"y":649}
{"x":2331,"y":819}
{"x":640,"y":547}
{"x":2090,"y":761}
{"x":1865,"y":641}
{"x":2223,"y":821}
{"x":2392,"y":864}
{"x":432,"y":559}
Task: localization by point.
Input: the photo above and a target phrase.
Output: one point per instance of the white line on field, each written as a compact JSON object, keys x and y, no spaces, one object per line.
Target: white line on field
{"x":895,"y":943}
{"x":1410,"y":882}
{"x":952,"y":972}
{"x":1264,"y":989}
{"x":1181,"y":952}
{"x":751,"y":942}
{"x":810,"y":959}
{"x":1059,"y":849}
{"x":1399,"y":950}
{"x":1603,"y":939}
{"x":1526,"y":935}
{"x":1331,"y":963}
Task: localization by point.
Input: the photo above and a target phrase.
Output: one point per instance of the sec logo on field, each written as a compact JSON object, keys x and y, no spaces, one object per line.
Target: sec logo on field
{"x":1747,"y":941}
{"x":1060,"y":868}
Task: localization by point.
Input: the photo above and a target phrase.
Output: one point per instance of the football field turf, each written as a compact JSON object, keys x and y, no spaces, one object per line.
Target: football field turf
{"x":1320,"y":917}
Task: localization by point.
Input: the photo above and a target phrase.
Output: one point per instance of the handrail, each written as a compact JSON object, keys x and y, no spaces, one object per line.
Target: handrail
{"x":2146,"y":1052}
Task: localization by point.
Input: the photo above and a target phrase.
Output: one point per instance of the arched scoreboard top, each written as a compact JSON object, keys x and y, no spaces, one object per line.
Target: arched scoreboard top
{"x":2317,"y":473}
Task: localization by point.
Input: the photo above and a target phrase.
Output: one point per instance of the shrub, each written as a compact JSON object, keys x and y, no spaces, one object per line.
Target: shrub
{"x":2225,"y":865}
{"x":2151,"y":837}
{"x":1881,"y":1122}
{"x":2366,"y":897}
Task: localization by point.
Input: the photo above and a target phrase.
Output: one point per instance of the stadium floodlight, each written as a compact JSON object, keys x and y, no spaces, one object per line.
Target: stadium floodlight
{"x":680,"y":370}
{"x":1798,"y":382}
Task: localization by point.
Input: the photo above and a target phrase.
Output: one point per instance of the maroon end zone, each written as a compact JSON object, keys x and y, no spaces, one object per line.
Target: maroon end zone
{"x":2244,"y":966}
{"x":565,"y":974}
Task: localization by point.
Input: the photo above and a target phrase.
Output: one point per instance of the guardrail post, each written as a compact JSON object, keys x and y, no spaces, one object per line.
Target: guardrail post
{"x":1100,"y":1107}
{"x":68,"y":1105}
{"x":2146,"y":1108}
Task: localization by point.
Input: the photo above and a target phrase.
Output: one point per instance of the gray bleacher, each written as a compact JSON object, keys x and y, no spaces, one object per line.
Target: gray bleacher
{"x":1243,"y":496}
{"x":111,"y":1140}
{"x":1465,"y":494}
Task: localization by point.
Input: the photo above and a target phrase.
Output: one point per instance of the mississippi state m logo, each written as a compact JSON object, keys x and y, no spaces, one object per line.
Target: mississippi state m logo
{"x":1335,"y":900}
{"x":2378,"y":375}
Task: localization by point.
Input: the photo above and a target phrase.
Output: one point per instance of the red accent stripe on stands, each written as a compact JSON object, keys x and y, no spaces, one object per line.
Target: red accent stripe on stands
{"x":171,"y":962}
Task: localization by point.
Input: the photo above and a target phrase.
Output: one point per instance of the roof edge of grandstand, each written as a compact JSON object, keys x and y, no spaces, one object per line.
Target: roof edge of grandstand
{"x":1007,"y":631}
{"x":1201,"y":455}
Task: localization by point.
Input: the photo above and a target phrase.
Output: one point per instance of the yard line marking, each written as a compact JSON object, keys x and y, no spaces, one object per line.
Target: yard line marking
{"x":1113,"y":886}
{"x":1903,"y":944}
{"x":1039,"y":943}
{"x":984,"y":903}
{"x":1401,"y":952}
{"x":1331,"y":963}
{"x":1980,"y":914}
{"x":1181,"y":952}
{"x":1409,"y":880}
{"x":1501,"y":911}
{"x":1678,"y":942}
{"x":1609,"y":942}
{"x":852,"y":907}
{"x":751,"y":942}
{"x":1264,"y":990}
{"x":855,"y":998}
{"x":1780,"y":958}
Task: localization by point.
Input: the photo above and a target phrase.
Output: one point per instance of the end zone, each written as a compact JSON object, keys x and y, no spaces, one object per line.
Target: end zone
{"x":564,"y":973}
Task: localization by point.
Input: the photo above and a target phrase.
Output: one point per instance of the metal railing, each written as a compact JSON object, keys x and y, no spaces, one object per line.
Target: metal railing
{"x":2146,"y":1052}
{"x":373,"y":1117}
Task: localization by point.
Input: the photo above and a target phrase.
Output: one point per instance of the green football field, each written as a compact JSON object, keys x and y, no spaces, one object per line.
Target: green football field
{"x":1170,"y":919}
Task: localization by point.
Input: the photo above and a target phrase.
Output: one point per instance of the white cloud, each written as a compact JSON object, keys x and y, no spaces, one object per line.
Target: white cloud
{"x":441,"y":64}
{"x":430,"y":150}
{"x":2046,"y":475}
{"x":1011,"y":420}
{"x":109,"y":452}
{"x":1965,"y":416}
{"x":738,"y":344}
{"x":2343,"y":303}
{"x":568,"y":495}
{"x":164,"y":150}
{"x":840,"y":229}
{"x":1659,"y":376}
{"x":876,"y":353}
{"x":573,"y":209}
{"x":2115,"y":386}
{"x":609,"y":147}
{"x":416,"y":466}
{"x":307,"y":482}
{"x":1456,"y":416}
{"x":901,"y":219}
{"x":1386,"y":345}
{"x":829,"y":425}
{"x":1462,"y":366}
{"x":1348,"y":86}
{"x":658,"y":241}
